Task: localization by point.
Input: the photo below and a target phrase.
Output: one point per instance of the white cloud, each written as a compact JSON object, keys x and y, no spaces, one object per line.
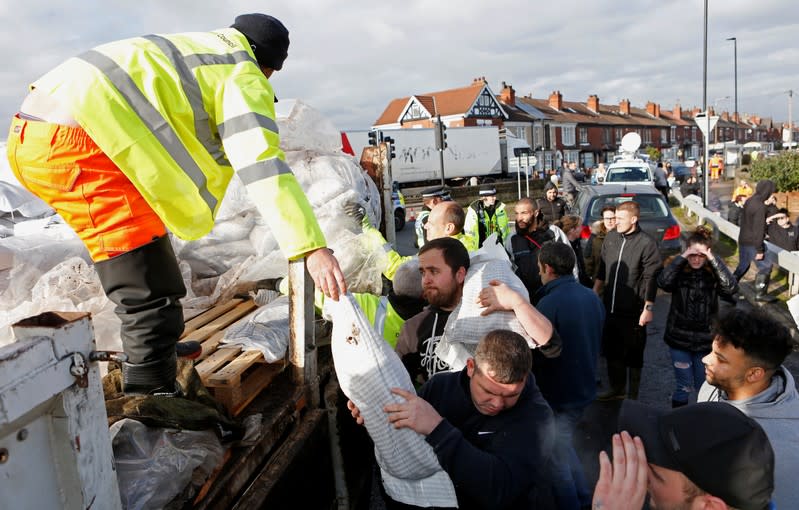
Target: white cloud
{"x":349,"y":59}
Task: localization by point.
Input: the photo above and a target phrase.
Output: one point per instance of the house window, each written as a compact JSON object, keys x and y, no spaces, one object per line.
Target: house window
{"x":588,"y":160}
{"x":673,"y":134}
{"x":550,"y":137}
{"x":647,"y":136}
{"x":693,"y":133}
{"x":547,"y":160}
{"x":584,"y":135}
{"x":567,"y":132}
{"x":571,"y":156}
{"x":619,"y":134}
{"x":538,"y":136}
{"x":664,"y":136}
{"x":517,"y":131}
{"x":606,"y":136}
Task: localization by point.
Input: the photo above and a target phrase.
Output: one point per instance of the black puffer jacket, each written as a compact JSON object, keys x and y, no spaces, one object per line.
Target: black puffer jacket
{"x":694,"y":301}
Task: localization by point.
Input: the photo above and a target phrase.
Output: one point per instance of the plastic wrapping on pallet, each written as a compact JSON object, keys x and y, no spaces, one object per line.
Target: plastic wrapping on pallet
{"x":265,"y":330}
{"x":155,"y":464}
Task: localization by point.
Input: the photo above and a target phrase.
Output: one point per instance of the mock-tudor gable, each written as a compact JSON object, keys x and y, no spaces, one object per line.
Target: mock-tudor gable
{"x":418,"y":107}
{"x":474,"y":101}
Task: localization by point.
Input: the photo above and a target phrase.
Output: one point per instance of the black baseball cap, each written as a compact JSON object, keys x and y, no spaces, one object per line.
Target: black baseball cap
{"x":721,"y":450}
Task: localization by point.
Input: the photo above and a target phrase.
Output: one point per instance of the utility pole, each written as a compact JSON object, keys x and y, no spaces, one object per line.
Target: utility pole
{"x":705,"y":165}
{"x":790,"y":119}
{"x":735,"y":56}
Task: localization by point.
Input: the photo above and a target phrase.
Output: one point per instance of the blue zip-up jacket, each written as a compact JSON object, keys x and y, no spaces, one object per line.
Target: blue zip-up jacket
{"x":577,"y":314}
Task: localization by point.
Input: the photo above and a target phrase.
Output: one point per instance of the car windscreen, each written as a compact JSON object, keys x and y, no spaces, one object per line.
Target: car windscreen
{"x":652,"y":206}
{"x":627,"y":174}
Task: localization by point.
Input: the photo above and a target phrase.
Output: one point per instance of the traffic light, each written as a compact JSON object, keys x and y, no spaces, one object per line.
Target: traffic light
{"x":373,"y":138}
{"x":441,"y":136}
{"x":390,"y":142}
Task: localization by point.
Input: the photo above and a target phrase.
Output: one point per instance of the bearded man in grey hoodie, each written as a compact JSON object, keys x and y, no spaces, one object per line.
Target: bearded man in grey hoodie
{"x":745,"y":370}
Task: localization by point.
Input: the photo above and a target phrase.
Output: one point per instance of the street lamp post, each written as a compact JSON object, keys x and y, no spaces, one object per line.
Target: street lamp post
{"x":735,"y":49}
{"x":705,"y":179}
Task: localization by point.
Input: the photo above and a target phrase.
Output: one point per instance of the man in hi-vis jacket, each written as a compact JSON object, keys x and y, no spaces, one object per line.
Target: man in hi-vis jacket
{"x":141,"y":136}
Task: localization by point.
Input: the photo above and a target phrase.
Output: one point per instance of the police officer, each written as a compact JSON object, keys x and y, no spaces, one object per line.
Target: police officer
{"x":430,"y":198}
{"x":486,"y":215}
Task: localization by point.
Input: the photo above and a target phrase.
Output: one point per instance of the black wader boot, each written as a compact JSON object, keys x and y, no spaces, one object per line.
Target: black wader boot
{"x":761,"y":289}
{"x":146,"y":285}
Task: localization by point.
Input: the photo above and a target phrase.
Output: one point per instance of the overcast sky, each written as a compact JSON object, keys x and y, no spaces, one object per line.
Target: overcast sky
{"x":348,"y":59}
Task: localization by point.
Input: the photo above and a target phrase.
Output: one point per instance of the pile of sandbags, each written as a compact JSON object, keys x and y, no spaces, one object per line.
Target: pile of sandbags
{"x":239,"y":248}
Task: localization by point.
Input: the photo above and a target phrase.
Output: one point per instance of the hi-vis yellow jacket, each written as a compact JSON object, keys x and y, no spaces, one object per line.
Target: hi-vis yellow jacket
{"x":178,"y":113}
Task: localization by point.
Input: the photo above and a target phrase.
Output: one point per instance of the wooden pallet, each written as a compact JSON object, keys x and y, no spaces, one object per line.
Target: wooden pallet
{"x":233,"y":376}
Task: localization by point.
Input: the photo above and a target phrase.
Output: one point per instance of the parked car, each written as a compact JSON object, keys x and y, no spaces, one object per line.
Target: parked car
{"x":398,"y":200}
{"x":656,"y":218}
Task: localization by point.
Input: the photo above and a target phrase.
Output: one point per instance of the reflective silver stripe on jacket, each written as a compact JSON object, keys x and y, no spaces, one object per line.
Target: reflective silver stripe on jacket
{"x":245,"y":122}
{"x":263,"y":170}
{"x":153,"y":119}
{"x":616,"y":278}
{"x":206,"y":59}
{"x":195,"y":96}
{"x":380,"y":315}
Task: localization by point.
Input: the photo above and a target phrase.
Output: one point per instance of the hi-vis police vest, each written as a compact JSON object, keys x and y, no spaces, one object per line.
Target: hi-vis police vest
{"x":177,"y":114}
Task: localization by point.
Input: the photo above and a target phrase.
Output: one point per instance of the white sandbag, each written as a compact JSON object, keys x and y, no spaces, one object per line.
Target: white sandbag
{"x":294,"y":118}
{"x":266,"y":329}
{"x":465,"y":326}
{"x":367,"y":369}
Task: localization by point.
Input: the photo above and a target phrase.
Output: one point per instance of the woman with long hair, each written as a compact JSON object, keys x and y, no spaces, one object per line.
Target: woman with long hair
{"x":593,"y":247}
{"x":695,"y":280}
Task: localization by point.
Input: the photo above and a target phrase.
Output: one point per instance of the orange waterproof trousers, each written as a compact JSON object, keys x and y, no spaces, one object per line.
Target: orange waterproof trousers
{"x":65,"y":168}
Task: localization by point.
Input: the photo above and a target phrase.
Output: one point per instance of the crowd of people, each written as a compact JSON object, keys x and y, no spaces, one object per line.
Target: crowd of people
{"x":583,"y":301}
{"x":88,"y":136}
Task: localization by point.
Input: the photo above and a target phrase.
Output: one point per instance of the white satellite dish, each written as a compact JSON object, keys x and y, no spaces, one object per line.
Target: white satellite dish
{"x":630,"y":142}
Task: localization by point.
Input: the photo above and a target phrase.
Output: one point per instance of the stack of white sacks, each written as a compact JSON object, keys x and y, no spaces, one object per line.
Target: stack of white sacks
{"x":50,"y":271}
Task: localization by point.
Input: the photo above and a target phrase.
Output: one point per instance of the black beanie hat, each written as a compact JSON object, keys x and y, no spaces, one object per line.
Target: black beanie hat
{"x":268,"y":37}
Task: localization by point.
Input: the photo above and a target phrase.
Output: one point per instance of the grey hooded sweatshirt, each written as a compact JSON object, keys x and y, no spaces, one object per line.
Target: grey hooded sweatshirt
{"x":776,"y":409}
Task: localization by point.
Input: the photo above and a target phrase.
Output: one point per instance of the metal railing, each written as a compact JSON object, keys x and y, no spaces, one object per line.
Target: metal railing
{"x":787,"y":260}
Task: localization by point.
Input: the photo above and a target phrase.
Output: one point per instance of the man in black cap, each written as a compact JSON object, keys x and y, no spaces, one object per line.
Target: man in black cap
{"x":140,"y":137}
{"x":708,"y":455}
{"x":430,"y":198}
{"x":487,"y":215}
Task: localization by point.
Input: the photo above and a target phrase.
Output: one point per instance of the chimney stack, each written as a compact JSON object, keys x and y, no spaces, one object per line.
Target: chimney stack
{"x":556,"y":100}
{"x":651,"y":109}
{"x":593,"y":103}
{"x":624,"y":107}
{"x":508,"y":94}
{"x":479,"y":81}
{"x":677,"y":112}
